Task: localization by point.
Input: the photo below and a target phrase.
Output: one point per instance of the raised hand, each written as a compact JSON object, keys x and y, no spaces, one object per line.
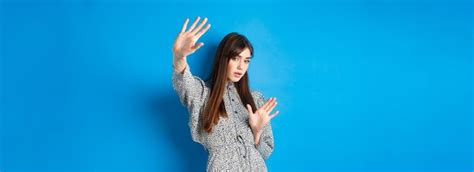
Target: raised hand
{"x":261,"y":117}
{"x":185,"y":43}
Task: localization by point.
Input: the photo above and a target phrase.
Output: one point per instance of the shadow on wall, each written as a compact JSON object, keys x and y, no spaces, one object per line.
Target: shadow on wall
{"x":172,"y":120}
{"x":172,"y":117}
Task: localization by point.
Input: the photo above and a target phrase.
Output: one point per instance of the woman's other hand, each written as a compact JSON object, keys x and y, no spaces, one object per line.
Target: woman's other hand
{"x":261,"y":117}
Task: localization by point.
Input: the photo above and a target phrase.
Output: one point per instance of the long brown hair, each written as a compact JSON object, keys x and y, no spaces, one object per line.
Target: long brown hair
{"x":230,"y":46}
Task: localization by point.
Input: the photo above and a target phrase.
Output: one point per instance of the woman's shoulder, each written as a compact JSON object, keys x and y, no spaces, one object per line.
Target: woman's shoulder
{"x":257,"y":95}
{"x":207,"y":83}
{"x":258,"y":98}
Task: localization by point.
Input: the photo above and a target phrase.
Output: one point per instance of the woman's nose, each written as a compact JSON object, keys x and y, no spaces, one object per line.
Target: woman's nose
{"x":239,"y":66}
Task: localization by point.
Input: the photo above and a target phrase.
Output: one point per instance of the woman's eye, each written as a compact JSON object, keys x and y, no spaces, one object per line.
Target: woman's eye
{"x":234,"y":58}
{"x":247,"y":61}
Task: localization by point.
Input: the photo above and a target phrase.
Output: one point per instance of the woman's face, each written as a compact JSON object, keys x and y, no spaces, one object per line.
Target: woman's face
{"x":238,"y":65}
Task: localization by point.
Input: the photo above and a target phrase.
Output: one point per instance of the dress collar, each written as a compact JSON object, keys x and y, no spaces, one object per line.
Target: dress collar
{"x":229,"y":85}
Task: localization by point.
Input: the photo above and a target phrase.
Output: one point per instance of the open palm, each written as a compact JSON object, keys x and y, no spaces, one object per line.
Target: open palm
{"x":185,"y":43}
{"x":261,"y":117}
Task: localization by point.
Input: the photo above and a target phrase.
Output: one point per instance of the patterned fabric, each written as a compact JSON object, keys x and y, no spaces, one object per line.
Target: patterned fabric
{"x":230,"y":145}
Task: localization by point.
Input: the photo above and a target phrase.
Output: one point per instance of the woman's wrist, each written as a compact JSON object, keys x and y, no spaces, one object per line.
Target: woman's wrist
{"x":256,"y":136}
{"x":178,"y":56}
{"x":179,"y":63}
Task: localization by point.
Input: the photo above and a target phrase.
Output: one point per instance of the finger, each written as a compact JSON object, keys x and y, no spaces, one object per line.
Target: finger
{"x":272,"y":107}
{"x":199,"y":27}
{"x":197,"y":46}
{"x":183,"y":29}
{"x":264,"y":106}
{"x":194,"y":24}
{"x":274,"y":114}
{"x":202,"y":31}
{"x":249,"y":108}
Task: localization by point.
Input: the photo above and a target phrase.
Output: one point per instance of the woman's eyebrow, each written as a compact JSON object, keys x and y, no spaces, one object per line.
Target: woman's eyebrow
{"x":245,"y":57}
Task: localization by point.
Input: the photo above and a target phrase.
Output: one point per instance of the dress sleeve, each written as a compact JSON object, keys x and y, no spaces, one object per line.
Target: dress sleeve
{"x":265,"y":147}
{"x":192,"y":92}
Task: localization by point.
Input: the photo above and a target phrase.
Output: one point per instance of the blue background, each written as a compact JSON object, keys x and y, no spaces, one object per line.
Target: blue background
{"x":362,"y":85}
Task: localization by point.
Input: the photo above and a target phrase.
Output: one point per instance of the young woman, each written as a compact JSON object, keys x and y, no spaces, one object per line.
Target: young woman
{"x":230,"y":121}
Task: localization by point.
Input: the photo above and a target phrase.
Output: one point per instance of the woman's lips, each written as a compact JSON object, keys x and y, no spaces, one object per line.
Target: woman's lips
{"x":237,"y":74}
